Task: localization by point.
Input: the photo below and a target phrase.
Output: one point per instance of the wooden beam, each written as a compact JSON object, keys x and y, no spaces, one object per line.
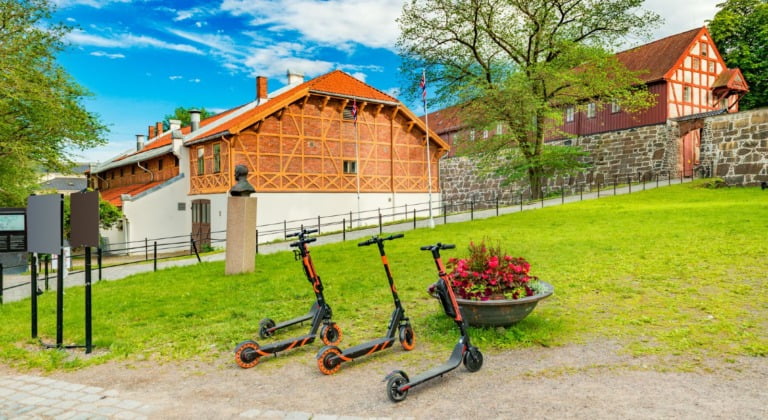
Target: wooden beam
{"x":304,"y":102}
{"x":378,"y":110}
{"x":325,"y":102}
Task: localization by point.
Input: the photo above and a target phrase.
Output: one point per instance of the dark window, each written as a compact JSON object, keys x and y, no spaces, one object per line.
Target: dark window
{"x":350,"y":167}
{"x":216,"y":158}
{"x":200,"y":161}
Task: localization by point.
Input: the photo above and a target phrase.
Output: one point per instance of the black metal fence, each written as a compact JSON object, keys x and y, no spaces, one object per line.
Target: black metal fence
{"x":159,"y":249}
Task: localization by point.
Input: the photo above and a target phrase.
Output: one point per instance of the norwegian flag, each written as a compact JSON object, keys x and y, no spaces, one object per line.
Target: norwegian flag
{"x":354,"y":110}
{"x":423,"y":85}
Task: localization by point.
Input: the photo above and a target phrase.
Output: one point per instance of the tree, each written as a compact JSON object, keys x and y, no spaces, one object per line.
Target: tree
{"x":519,"y":63}
{"x":740,"y":31}
{"x":182,"y":114}
{"x":42,"y":118}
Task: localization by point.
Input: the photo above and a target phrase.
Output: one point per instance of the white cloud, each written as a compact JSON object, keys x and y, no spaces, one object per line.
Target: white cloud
{"x":681,"y":16}
{"x":366,"y":22}
{"x":175,"y":77}
{"x":79,"y":37}
{"x":195,"y":80}
{"x":98,"y":4}
{"x":359,"y":76}
{"x":107,"y":55}
{"x":222,"y":43}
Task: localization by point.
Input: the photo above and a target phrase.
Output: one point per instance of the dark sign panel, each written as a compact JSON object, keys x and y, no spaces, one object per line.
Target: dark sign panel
{"x":84,"y":219}
{"x":13,"y":237}
{"x":44,"y":223}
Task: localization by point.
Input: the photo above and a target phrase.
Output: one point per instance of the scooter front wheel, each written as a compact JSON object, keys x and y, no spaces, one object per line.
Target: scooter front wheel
{"x":246,"y":354}
{"x":325,"y":361}
{"x":331,"y":334}
{"x":473,"y":359}
{"x":407,"y":337}
{"x":395,"y":382}
{"x":264,"y":326}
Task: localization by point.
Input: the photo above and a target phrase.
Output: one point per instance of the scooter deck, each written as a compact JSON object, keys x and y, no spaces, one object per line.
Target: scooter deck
{"x":366,"y":348}
{"x":452,"y":363}
{"x":287,"y":344}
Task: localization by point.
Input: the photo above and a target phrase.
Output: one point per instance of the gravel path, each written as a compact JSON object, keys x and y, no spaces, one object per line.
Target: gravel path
{"x":585,"y":381}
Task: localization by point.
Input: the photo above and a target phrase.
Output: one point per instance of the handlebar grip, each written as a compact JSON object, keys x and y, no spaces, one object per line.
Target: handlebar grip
{"x":426,"y":248}
{"x":447,"y":246}
{"x":303,"y":241}
{"x":291,"y":235}
{"x":310,"y":231}
{"x":368,"y":242}
{"x":399,"y":235}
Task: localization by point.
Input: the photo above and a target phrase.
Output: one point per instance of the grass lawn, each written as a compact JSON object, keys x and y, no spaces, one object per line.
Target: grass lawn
{"x":678,"y":272}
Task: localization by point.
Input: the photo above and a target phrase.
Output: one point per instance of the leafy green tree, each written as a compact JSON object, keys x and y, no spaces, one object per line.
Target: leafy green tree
{"x":519,"y":63}
{"x":740,"y":31}
{"x":182,"y":114}
{"x":42,"y":118}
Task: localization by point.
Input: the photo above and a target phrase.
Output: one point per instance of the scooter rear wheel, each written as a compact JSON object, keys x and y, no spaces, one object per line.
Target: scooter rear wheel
{"x":264,"y":326}
{"x":393,"y":384}
{"x":407,"y":337}
{"x":246,"y":355}
{"x":325,"y":362}
{"x":331,"y":334}
{"x":473,"y":359}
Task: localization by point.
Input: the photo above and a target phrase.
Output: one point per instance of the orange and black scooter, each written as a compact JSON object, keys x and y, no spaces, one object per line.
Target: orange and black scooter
{"x":330,"y":358}
{"x":248,"y":352}
{"x":398,"y":383}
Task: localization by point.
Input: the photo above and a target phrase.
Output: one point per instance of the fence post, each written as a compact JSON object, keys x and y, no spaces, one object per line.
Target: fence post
{"x":629,"y":181}
{"x":406,"y":211}
{"x":343,"y":229}
{"x":350,"y":220}
{"x":615,"y":179}
{"x":380,"y":225}
{"x":581,"y":192}
{"x":45,"y":265}
{"x":33,"y":294}
{"x":562,"y":193}
{"x":521,"y":201}
{"x":285,"y":229}
{"x":542,"y":198}
{"x":98,"y":260}
{"x":497,"y":203}
{"x":598,"y":189}
{"x":445,"y":214}
{"x":1,"y":283}
{"x":318,"y":225}
{"x":414,"y":218}
{"x":669,"y":177}
{"x":146,"y":249}
{"x":154,"y":253}
{"x":194,"y":248}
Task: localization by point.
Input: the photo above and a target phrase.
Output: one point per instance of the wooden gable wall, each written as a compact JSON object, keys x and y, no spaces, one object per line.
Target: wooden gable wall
{"x":131,"y":174}
{"x":303,"y":147}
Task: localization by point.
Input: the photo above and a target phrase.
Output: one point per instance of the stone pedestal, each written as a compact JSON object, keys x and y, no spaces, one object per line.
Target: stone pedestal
{"x":241,"y":235}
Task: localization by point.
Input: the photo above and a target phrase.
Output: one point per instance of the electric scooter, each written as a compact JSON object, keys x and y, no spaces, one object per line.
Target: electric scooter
{"x":248,"y":352}
{"x":398,"y":382}
{"x":330,"y":358}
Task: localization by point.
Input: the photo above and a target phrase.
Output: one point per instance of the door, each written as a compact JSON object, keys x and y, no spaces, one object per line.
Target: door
{"x":201,"y":223}
{"x":691,"y":151}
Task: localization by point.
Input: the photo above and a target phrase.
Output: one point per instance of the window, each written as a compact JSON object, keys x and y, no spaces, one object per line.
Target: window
{"x":570,"y":113}
{"x":200,"y":161}
{"x":485,"y":134}
{"x":216,"y":158}
{"x":695,"y":63}
{"x":711,"y":66}
{"x":350,"y":167}
{"x":160,"y":164}
{"x":704,"y":49}
{"x":349,"y":114}
{"x":686,"y":94}
{"x":615,"y":107}
{"x":591,"y":110}
{"x":499,"y":129}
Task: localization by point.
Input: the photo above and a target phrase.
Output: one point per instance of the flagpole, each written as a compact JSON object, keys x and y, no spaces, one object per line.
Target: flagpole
{"x":357,"y":162}
{"x":429,"y":155}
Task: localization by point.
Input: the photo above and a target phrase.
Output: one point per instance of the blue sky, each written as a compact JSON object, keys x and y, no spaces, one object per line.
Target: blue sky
{"x":143,"y":58}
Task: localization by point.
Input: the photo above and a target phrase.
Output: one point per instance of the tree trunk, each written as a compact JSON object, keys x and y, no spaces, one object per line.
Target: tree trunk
{"x":536,"y":181}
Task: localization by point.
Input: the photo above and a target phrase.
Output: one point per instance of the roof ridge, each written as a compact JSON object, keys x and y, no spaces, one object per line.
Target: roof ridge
{"x":679,"y":34}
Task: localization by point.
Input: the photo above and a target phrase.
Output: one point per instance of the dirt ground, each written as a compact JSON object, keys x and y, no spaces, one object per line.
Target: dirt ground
{"x":585,"y":381}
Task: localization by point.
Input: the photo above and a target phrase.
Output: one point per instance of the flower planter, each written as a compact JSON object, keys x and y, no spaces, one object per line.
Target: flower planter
{"x":501,"y":313}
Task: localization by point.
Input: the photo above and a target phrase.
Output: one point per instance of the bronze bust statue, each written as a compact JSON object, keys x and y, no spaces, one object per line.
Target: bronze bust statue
{"x":242,"y":187}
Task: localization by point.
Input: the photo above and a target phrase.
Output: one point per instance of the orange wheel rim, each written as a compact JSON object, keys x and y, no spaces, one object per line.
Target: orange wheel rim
{"x":321,"y":362}
{"x":239,"y":359}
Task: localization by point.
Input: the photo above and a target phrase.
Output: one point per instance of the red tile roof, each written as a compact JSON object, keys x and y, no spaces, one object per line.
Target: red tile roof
{"x":731,"y":79}
{"x":114,"y":195}
{"x":655,"y":59}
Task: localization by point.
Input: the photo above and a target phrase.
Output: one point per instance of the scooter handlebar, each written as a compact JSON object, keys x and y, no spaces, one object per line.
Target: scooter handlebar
{"x":437,"y":246}
{"x":301,"y":232}
{"x":376,"y":239}
{"x":303,"y":241}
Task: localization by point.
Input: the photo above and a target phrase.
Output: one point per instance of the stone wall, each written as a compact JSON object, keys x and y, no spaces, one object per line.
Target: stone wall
{"x":736,"y":147}
{"x":733,"y":146}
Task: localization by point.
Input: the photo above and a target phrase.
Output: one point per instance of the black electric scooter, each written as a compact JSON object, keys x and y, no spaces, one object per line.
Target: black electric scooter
{"x":330,"y":358}
{"x":248,"y":352}
{"x":398,"y":382}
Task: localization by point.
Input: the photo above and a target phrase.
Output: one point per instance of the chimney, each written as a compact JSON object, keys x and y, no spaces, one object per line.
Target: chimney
{"x":150,"y":132}
{"x":139,"y":141}
{"x":261,"y":87}
{"x":175,"y":124}
{"x":159,"y":128}
{"x":194,"y":117}
{"x":295,"y":78}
